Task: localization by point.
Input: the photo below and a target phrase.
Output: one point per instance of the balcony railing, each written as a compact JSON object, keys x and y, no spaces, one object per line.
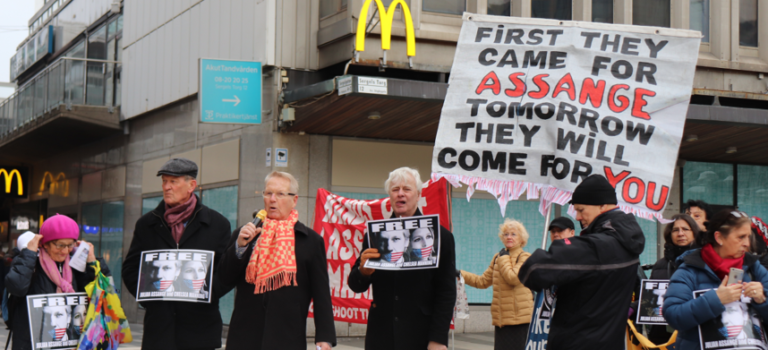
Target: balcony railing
{"x":67,"y":81}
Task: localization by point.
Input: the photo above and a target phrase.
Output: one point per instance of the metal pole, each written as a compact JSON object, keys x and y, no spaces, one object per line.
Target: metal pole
{"x":546,"y":224}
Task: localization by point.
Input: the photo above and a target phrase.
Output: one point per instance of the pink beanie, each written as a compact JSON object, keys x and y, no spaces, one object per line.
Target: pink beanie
{"x":59,"y":227}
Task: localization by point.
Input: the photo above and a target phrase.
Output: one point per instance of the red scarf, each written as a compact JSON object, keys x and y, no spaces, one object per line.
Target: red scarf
{"x":721,"y":267}
{"x":178,"y":215}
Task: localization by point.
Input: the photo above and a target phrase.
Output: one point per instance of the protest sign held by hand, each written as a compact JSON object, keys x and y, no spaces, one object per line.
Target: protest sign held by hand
{"x":537,"y":104}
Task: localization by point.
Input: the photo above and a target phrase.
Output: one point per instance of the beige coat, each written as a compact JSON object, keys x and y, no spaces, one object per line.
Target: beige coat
{"x":512,"y":302}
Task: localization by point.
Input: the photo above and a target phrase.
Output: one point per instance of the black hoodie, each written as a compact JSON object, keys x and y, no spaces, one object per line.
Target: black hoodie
{"x":595,"y":274}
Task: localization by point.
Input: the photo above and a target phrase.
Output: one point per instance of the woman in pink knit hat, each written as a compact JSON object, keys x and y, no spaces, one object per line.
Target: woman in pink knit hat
{"x":42,"y":267}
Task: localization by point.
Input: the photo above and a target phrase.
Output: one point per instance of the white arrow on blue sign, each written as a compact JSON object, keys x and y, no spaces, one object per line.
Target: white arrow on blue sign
{"x":230,"y":91}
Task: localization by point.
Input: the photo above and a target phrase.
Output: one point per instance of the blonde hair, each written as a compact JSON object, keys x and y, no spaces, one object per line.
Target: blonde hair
{"x":510,"y":225}
{"x":294,"y":187}
{"x":399,"y":175}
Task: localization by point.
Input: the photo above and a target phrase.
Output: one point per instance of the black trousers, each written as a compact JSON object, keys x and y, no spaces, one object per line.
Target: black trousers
{"x":510,"y":337}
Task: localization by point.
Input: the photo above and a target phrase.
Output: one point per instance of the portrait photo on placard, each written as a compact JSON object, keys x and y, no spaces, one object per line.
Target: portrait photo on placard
{"x":56,"y":320}
{"x":738,"y":327}
{"x":180,"y":275}
{"x":651,"y":310}
{"x":405,"y":243}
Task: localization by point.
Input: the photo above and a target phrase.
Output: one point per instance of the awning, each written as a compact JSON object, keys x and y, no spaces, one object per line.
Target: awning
{"x":409,"y":110}
{"x":59,"y":130}
{"x":381,"y":108}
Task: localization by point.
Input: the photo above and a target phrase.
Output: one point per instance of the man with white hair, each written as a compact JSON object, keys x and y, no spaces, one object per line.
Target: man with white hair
{"x":410,"y":309}
{"x":278,"y":269}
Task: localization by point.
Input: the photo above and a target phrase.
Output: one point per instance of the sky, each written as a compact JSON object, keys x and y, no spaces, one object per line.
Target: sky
{"x":14,"y":16}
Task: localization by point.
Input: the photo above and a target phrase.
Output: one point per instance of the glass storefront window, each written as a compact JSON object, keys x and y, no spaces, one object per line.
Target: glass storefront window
{"x":552,"y":9}
{"x":224,"y":201}
{"x":710,"y":182}
{"x":700,"y":18}
{"x":90,"y":225}
{"x":499,"y":7}
{"x":112,"y":214}
{"x":102,"y":225}
{"x":149,"y":204}
{"x":602,"y":11}
{"x":748,"y":23}
{"x":753,"y":190}
{"x":651,"y":13}
{"x":450,"y":7}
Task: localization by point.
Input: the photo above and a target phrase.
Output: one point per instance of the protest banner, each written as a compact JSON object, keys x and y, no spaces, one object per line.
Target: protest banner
{"x":176,"y":274}
{"x":538,"y":329}
{"x":738,"y":327}
{"x":56,"y":320}
{"x":652,"y":302}
{"x":405,"y":243}
{"x":538,"y":105}
{"x":341,"y":223}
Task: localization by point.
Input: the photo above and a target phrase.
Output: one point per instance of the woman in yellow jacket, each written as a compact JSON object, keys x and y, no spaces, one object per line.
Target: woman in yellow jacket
{"x":512,"y":304}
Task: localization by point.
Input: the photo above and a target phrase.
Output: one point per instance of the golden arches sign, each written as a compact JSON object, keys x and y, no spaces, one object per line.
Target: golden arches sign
{"x":55,"y":184}
{"x":386,"y":17}
{"x":8,"y":177}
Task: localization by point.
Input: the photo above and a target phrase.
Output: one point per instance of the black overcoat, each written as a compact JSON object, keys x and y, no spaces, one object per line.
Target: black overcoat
{"x":410,"y":308}
{"x":26,"y":277}
{"x":172,"y":325}
{"x":278,"y":319}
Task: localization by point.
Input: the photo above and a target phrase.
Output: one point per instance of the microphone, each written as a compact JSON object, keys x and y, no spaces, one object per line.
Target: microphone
{"x":258,"y":218}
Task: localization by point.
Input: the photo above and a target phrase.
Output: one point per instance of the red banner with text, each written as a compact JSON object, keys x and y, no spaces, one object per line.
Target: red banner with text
{"x":341,"y":222}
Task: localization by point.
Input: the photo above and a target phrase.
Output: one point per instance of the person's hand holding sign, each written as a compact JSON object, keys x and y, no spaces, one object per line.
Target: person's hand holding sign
{"x":247,"y":233}
{"x":370,"y":253}
{"x":754,"y":290}
{"x":728,"y":294}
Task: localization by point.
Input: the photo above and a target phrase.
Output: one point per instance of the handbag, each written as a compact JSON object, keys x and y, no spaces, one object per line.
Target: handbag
{"x":106,"y":326}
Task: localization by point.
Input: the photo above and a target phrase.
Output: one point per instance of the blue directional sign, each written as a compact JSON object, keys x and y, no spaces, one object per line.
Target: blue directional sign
{"x":230,"y":91}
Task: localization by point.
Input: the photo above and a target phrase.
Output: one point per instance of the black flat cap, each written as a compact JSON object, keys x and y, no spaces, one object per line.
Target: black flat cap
{"x":594,"y":190}
{"x":561,"y":223}
{"x":178,"y":167}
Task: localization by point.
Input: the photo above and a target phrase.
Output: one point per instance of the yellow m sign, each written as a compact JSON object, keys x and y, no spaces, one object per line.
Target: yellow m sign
{"x":386,"y":17}
{"x":8,"y":177}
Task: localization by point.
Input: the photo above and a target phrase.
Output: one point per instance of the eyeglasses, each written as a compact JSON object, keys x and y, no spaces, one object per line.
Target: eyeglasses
{"x":279,"y":195}
{"x":64,"y":246}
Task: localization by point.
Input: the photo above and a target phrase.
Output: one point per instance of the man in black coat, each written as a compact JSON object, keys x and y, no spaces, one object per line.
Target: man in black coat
{"x":410,"y":309}
{"x":594,"y":273}
{"x":180,"y":221}
{"x":274,"y":315}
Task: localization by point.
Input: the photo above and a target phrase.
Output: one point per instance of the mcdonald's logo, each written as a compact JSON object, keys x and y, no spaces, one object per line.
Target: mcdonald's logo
{"x":58,"y":185}
{"x":9,"y":187}
{"x":386,"y":17}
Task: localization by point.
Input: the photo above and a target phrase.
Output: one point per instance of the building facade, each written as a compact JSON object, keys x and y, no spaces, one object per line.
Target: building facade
{"x":110,"y":89}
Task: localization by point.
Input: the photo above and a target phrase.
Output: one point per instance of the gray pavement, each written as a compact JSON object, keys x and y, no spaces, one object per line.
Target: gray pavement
{"x":469,"y":341}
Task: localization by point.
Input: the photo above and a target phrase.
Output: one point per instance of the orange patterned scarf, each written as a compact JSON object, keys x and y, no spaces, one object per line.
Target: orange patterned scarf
{"x":273,"y":262}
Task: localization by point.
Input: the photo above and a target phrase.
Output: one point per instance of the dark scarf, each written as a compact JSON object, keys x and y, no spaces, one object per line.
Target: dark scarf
{"x":672,"y":252}
{"x":719,"y":265}
{"x":178,"y":215}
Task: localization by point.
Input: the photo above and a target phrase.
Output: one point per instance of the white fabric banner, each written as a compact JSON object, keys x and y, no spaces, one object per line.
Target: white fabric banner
{"x":538,"y":105}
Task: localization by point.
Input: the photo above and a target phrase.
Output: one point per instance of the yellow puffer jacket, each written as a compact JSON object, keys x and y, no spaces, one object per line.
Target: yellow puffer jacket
{"x":512,"y":302}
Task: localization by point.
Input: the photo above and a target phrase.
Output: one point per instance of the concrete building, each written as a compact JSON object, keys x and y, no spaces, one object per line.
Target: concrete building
{"x":110,"y":89}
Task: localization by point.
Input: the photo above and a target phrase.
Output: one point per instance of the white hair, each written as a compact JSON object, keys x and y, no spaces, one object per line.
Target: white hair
{"x":294,"y":188}
{"x":400,"y":175}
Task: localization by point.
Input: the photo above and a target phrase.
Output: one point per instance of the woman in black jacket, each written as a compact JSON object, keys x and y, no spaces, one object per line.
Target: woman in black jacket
{"x":42,"y":267}
{"x":680,"y":236}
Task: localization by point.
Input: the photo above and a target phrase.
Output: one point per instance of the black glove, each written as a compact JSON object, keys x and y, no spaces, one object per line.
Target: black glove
{"x":458,"y":273}
{"x":503,"y":252}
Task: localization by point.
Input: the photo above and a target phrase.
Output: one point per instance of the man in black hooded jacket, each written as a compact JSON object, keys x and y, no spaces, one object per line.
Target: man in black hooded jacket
{"x":594,"y":273}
